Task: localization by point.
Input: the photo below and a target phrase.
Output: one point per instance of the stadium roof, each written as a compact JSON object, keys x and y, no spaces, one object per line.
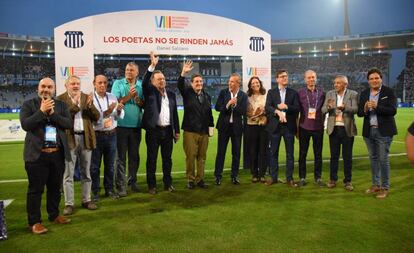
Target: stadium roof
{"x":25,"y":44}
{"x":351,"y":43}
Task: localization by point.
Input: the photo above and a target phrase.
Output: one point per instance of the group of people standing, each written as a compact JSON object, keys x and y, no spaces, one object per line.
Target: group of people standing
{"x":77,"y":127}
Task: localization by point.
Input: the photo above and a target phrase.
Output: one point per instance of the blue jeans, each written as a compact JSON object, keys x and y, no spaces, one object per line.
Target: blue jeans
{"x":274,"y":144}
{"x":106,"y":147}
{"x":379,"y":149}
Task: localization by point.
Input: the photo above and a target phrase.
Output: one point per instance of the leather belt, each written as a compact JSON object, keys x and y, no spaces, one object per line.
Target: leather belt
{"x":374,"y":126}
{"x":50,"y":150}
{"x":109,"y":132}
{"x":163,"y":127}
{"x":79,"y":133}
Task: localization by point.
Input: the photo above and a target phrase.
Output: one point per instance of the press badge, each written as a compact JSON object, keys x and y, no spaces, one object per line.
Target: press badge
{"x":107,"y":122}
{"x":312,"y":113}
{"x":50,"y":134}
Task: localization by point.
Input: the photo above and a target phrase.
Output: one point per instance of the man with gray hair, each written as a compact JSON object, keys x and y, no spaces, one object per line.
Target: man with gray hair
{"x":81,"y":140}
{"x":341,"y":104}
{"x":128,"y":132}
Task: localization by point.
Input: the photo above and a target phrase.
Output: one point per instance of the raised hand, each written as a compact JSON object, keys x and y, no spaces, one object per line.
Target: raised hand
{"x":132,"y":91}
{"x":154,"y":59}
{"x":89,"y":99}
{"x":187,"y":67}
{"x":47,"y":106}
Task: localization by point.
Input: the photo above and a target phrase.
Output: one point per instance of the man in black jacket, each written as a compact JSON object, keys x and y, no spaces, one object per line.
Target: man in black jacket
{"x":198,"y":119}
{"x":160,"y":121}
{"x":232,"y":105}
{"x":45,"y":149}
{"x":282,"y":108}
{"x":378,"y":106}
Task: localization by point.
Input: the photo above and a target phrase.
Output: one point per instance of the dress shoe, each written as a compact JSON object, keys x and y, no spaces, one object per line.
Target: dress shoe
{"x":262,"y":180}
{"x":202,"y":185}
{"x":68,"y":210}
{"x":271,"y":181}
{"x":61,"y":220}
{"x":235,"y":180}
{"x":95,"y":197}
{"x":291,"y":183}
{"x":331,"y":184}
{"x":112,"y":195}
{"x":38,"y":229}
{"x":122,"y":194}
{"x":218,"y":181}
{"x":320,"y":183}
{"x":349,"y":187}
{"x":152,"y":191}
{"x":89,"y":205}
{"x":383,"y":193}
{"x":255,"y":180}
{"x":170,"y":188}
{"x":373,"y":189}
{"x":190,"y":185}
{"x":135,"y":188}
{"x":302,"y":182}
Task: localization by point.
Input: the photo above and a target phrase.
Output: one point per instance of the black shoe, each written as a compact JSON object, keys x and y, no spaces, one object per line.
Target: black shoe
{"x":112,"y":195}
{"x":170,"y":188}
{"x":95,"y":197}
{"x":190,"y":185}
{"x":201,"y":184}
{"x":218,"y":181}
{"x":235,"y":181}
{"x":135,"y":188}
{"x":152,"y":191}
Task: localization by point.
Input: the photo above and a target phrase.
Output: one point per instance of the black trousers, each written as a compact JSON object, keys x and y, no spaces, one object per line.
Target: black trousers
{"x":128,"y":140}
{"x":155,"y":138}
{"x":223,"y":140}
{"x":47,"y":170}
{"x":337,"y":139}
{"x":304,"y":140}
{"x":256,"y":139}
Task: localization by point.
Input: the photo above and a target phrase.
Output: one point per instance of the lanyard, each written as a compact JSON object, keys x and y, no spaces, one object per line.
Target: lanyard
{"x":99,"y":104}
{"x":317,"y":96}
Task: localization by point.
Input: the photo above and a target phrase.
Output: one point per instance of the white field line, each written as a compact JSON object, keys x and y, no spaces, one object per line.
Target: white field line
{"x":228,"y":169}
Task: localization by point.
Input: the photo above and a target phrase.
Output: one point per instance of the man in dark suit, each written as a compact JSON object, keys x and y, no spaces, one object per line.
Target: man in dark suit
{"x":378,"y":106}
{"x":232,"y":105}
{"x":341,"y":104}
{"x":282,"y":108}
{"x":160,"y":121}
{"x":45,"y":149}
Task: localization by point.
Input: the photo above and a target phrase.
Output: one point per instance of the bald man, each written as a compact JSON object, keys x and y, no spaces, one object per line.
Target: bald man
{"x":105,"y":131}
{"x":45,"y":149}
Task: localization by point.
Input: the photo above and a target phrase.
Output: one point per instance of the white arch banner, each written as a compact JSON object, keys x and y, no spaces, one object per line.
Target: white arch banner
{"x":162,"y":31}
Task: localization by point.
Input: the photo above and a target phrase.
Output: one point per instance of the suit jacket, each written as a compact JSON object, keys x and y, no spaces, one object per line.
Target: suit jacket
{"x":351,"y":107}
{"x":239,"y":111}
{"x":33,"y":121}
{"x":291,"y":100}
{"x":89,"y":115}
{"x":386,"y":109}
{"x":198,"y":116}
{"x":152,"y":106}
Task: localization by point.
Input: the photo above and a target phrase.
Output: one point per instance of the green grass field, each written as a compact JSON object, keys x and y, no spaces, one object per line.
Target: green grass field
{"x":245,"y":218}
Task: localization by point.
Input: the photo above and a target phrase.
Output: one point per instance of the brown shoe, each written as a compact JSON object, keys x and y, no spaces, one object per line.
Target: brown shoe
{"x":38,"y":229}
{"x":90,"y":205}
{"x":68,"y":210}
{"x":349,"y":187}
{"x":382,"y":194}
{"x":373,"y":189}
{"x":331,"y":184}
{"x":255,"y":180}
{"x":61,"y":220}
{"x":270,"y":182}
{"x":291,"y":184}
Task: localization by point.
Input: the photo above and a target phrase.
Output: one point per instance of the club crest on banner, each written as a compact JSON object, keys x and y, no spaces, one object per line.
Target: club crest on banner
{"x":74,"y":39}
{"x":256,"y":44}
